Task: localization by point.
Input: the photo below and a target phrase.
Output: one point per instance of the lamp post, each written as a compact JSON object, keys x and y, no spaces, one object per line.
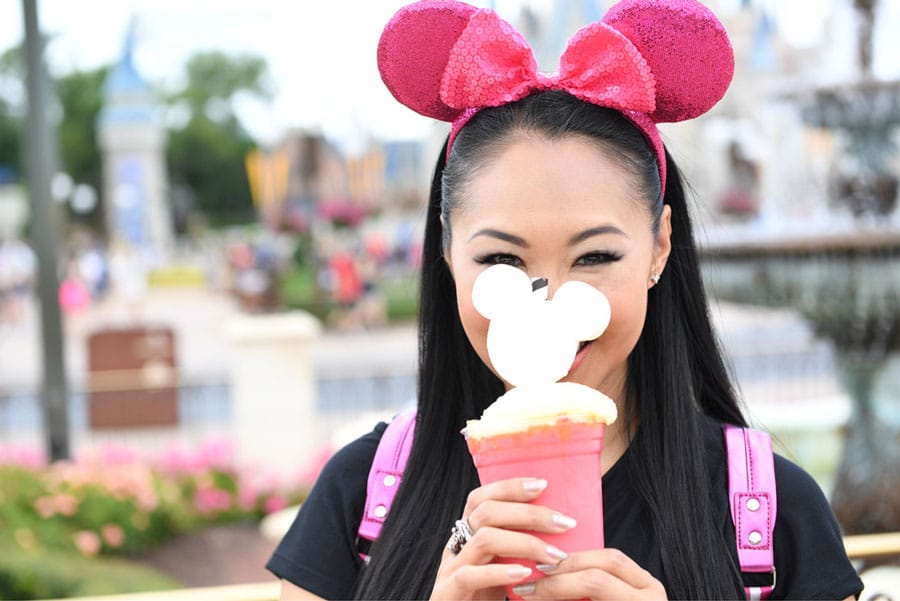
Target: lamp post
{"x":44,"y":225}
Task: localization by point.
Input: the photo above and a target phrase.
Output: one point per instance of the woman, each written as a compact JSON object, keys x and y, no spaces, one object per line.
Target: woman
{"x":568,"y":190}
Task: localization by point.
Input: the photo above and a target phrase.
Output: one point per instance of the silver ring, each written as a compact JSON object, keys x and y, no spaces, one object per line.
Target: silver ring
{"x":459,"y":536}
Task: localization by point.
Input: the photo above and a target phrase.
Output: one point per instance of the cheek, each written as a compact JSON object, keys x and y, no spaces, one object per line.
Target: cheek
{"x":628,"y":313}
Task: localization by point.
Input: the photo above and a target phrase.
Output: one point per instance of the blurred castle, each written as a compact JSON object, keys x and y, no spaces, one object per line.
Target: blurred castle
{"x":132,"y":137}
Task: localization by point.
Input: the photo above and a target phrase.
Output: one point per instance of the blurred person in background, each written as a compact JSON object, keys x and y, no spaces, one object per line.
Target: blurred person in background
{"x":18,"y":266}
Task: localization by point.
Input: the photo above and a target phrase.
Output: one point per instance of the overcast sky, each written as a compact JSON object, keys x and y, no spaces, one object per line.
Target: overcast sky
{"x":321,"y":53}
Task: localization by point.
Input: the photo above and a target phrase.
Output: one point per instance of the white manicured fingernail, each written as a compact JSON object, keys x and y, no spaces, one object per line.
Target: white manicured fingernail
{"x":518,"y":572}
{"x":523,"y":590}
{"x":534,"y":485}
{"x":563,"y":520}
{"x":547,"y":567}
{"x":556,"y":552}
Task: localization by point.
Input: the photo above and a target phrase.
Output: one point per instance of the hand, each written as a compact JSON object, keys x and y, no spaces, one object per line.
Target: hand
{"x":599,"y":574}
{"x":496,"y":512}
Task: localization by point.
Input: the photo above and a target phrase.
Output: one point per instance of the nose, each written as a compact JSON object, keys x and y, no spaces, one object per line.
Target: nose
{"x":550,"y":276}
{"x":544,"y":287}
{"x":540,"y":286}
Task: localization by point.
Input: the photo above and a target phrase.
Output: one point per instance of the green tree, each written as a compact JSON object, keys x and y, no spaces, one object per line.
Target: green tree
{"x":206,"y":154}
{"x":10,"y":114}
{"x":80,"y":95}
{"x":10,"y":137}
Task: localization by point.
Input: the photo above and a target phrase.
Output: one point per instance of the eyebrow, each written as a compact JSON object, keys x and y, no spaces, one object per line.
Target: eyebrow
{"x":512,"y":239}
{"x":579,"y":237}
{"x":596,"y":231}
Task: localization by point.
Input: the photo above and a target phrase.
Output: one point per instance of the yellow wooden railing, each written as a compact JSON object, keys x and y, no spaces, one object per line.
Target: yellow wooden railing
{"x":859,"y":547}
{"x":870,"y":546}
{"x":262,"y":591}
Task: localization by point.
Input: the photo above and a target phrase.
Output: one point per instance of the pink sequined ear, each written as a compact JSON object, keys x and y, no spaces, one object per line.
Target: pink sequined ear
{"x":687,"y":49}
{"x":414,"y":50}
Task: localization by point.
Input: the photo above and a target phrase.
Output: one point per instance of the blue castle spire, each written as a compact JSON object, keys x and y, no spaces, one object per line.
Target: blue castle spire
{"x":128,"y":98}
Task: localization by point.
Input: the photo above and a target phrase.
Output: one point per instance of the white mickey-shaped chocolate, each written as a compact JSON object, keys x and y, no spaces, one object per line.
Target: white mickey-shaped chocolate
{"x":530,"y":339}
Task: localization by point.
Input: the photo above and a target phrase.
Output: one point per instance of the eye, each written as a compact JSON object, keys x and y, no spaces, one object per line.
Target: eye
{"x":597,"y":258}
{"x":500,"y":259}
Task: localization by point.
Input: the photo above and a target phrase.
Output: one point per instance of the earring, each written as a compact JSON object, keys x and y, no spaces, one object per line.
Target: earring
{"x":655,"y":278}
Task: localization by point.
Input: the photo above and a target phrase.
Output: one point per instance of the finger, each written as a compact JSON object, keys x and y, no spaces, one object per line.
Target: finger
{"x":489,"y":543}
{"x":587,"y":584}
{"x":519,"y":516}
{"x":514,"y":489}
{"x":468,"y":578}
{"x":592,"y":583}
{"x":610,"y":561}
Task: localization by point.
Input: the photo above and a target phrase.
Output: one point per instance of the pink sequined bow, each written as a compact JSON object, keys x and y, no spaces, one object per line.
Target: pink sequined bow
{"x":491,"y":64}
{"x":654,"y":61}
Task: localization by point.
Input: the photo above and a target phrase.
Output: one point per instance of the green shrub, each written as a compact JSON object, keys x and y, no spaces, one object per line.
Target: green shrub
{"x":74,"y":515}
{"x":298,"y":289}
{"x":41,"y":574}
{"x":402,"y":296}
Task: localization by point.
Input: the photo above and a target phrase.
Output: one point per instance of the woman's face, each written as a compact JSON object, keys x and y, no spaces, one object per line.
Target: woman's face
{"x":564,"y":211}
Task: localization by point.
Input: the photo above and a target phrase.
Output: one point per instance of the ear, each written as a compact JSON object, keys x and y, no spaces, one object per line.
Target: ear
{"x":413,"y":52}
{"x":663,"y":244}
{"x":687,"y":50}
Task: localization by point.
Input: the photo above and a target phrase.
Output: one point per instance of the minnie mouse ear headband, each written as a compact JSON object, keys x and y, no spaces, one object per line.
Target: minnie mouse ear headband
{"x":654,"y":61}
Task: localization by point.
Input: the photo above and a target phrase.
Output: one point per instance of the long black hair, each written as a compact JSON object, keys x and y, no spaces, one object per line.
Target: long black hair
{"x":676,"y":374}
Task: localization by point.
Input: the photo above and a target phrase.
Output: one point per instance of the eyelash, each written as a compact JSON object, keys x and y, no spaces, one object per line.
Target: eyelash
{"x":598,"y":258}
{"x":499,"y":258}
{"x":587,"y":260}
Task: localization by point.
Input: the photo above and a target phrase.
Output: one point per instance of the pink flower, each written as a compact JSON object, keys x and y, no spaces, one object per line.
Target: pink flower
{"x":175,"y":461}
{"x":247,"y":498}
{"x":27,"y":457}
{"x":87,"y":542}
{"x":274,"y":503}
{"x":113,"y":454}
{"x":211,"y":500}
{"x":66,"y":504}
{"x":113,"y":535}
{"x":147,"y":500}
{"x":216,"y":454}
{"x":45,"y":507}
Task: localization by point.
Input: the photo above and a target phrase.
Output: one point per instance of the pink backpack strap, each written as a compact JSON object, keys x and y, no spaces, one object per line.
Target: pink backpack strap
{"x":751,"y":493}
{"x":385,"y":476}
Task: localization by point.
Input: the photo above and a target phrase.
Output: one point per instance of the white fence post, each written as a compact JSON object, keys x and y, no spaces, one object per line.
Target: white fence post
{"x":273,"y":391}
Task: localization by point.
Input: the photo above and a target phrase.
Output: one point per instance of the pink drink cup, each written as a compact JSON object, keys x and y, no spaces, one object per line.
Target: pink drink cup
{"x":565,"y":454}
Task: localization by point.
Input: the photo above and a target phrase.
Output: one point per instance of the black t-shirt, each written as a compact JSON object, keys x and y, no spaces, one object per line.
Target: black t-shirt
{"x":319,"y":551}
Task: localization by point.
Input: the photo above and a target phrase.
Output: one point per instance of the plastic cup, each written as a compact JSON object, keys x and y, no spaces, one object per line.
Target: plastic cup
{"x":567,"y":455}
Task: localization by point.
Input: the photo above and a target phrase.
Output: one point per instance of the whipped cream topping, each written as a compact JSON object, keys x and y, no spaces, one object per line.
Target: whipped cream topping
{"x":524,"y":407}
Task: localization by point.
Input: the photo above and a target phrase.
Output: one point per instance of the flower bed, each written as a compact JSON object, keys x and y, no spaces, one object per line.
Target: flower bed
{"x":113,"y":502}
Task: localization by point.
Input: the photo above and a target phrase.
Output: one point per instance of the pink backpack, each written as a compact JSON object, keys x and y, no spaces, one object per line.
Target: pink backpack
{"x":751,"y":491}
